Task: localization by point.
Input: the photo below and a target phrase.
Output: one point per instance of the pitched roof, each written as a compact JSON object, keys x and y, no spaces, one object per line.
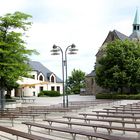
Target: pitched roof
{"x":120,"y":35}
{"x":136,"y":19}
{"x":37,"y":66}
{"x":92,"y":74}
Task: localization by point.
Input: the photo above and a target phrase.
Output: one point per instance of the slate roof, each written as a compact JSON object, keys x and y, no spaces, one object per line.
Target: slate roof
{"x":37,"y":66}
{"x":92,"y":74}
{"x":120,"y":35}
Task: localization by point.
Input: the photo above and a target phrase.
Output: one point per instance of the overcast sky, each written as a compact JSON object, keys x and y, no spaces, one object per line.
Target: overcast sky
{"x":85,"y":23}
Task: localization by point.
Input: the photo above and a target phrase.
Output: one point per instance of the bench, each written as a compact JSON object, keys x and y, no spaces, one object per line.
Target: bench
{"x":125,"y":107}
{"x":95,"y":126}
{"x":110,"y":121}
{"x":121,"y":109}
{"x":22,"y":134}
{"x":116,"y":112}
{"x":134,"y":118}
{"x":11,"y":117}
{"x":74,"y":132}
{"x":25,"y":100}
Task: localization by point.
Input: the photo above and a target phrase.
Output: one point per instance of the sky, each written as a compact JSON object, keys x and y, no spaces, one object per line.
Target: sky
{"x":84,"y":23}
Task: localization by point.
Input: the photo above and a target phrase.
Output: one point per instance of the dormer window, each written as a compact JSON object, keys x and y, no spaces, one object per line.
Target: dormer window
{"x":41,"y":78}
{"x":52,"y":79}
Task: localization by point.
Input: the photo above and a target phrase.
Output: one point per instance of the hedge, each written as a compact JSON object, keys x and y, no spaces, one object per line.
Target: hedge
{"x":49,"y":93}
{"x":118,"y":96}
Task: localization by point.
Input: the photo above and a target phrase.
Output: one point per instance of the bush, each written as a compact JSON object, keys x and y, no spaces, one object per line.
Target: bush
{"x":118,"y":96}
{"x":49,"y":93}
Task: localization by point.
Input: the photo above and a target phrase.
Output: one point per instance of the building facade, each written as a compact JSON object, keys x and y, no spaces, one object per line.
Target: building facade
{"x":41,"y":79}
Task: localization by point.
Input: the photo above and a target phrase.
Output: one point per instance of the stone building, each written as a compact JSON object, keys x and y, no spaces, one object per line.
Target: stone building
{"x":91,"y":86}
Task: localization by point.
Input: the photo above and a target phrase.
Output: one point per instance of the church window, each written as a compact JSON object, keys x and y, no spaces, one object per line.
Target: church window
{"x":135,"y":27}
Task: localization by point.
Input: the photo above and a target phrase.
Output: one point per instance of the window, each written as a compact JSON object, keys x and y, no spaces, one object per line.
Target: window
{"x":33,"y":76}
{"x":52,"y":88}
{"x":52,"y":79}
{"x":58,"y":88}
{"x":41,"y":78}
{"x":33,"y":93}
{"x":135,"y":27}
{"x":41,"y":89}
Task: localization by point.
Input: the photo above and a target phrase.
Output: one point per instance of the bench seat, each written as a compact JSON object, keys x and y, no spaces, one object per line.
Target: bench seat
{"x":95,"y":126}
{"x":22,"y":134}
{"x":74,"y":132}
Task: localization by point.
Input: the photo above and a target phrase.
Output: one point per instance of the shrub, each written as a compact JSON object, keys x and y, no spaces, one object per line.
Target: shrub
{"x":49,"y":93}
{"x":118,"y":96}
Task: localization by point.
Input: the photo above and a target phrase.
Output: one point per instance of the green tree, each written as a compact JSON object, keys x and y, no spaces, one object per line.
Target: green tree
{"x":14,"y":55}
{"x":119,"y":66}
{"x":76,"y":81}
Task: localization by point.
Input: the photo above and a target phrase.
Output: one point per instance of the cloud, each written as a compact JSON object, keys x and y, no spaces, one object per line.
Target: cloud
{"x":85,"y":23}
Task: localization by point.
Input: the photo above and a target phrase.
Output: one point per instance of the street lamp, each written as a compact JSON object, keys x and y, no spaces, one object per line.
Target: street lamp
{"x":55,"y":51}
{"x":72,"y":50}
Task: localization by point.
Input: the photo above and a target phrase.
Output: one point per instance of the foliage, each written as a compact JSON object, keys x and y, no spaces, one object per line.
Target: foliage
{"x":118,"y":96}
{"x":49,"y":93}
{"x":13,"y":53}
{"x":119,"y":67}
{"x":76,"y":81}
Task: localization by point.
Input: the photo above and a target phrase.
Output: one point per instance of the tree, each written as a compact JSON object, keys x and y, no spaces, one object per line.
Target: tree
{"x":14,"y":55}
{"x":76,"y":81}
{"x":119,"y":67}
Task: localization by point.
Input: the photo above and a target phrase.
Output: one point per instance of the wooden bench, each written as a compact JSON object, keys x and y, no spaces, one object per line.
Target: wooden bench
{"x":116,"y":112}
{"x":95,"y":126}
{"x":121,"y":109}
{"x":125,"y":107}
{"x":22,"y":134}
{"x":11,"y":117}
{"x":25,"y":100}
{"x":110,"y":121}
{"x":123,"y":116}
{"x":74,"y":132}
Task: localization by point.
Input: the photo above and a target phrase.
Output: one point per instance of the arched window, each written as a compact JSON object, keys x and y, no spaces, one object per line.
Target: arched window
{"x":52,"y":79}
{"x":41,"y":78}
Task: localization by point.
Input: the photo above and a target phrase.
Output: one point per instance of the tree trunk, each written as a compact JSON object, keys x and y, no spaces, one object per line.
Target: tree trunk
{"x":2,"y":99}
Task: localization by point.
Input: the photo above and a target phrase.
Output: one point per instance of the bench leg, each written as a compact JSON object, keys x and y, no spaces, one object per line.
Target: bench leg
{"x":89,"y":137}
{"x":17,"y":138}
{"x":109,"y":131}
{"x":50,"y":123}
{"x":70,"y":126}
{"x":95,"y":129}
{"x":138,"y":135}
{"x":73,"y":136}
{"x":29,"y":129}
{"x":12,"y":121}
{"x":110,"y":123}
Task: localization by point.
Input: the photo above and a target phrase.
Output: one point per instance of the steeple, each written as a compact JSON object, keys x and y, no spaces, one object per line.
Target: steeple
{"x":136,"y":27}
{"x":136,"y":23}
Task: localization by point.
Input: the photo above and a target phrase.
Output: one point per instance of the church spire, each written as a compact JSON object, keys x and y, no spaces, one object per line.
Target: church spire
{"x":136,"y":23}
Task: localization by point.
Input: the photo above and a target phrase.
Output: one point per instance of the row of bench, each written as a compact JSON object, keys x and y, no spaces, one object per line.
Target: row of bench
{"x":95,"y":126}
{"x":75,"y":132}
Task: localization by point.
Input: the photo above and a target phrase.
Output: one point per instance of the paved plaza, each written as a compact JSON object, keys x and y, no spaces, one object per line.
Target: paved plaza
{"x":47,"y":101}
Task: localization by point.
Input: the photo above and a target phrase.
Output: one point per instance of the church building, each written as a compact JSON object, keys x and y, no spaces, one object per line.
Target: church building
{"x":91,"y":86}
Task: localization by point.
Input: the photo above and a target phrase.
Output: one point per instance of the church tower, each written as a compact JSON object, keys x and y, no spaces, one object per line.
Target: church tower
{"x":136,"y":27}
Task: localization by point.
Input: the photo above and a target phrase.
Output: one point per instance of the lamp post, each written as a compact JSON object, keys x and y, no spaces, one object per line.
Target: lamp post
{"x":55,"y":51}
{"x":72,"y":50}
